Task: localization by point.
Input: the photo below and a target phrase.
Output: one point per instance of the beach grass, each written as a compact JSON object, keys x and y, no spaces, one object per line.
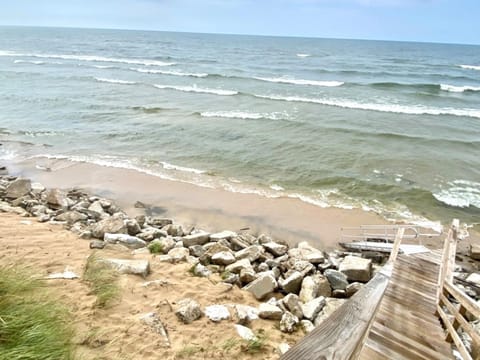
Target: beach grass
{"x":33,"y":326}
{"x":103,"y":281}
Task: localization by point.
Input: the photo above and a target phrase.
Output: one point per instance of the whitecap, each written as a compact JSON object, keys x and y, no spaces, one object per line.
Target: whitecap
{"x":460,"y":193}
{"x":115,"y":81}
{"x":241,"y":115}
{"x":276,"y":187}
{"x":29,"y":62}
{"x":168,"y":166}
{"x":303,"y":55}
{"x":165,"y":72}
{"x":470,"y":67}
{"x":391,"y":108}
{"x":196,"y":89}
{"x":283,"y":80}
{"x":458,"y":89}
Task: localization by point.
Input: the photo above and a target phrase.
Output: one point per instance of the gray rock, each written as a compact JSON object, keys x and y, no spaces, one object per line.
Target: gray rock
{"x":111,"y":225}
{"x":337,"y":280}
{"x":174,"y":230}
{"x":129,"y":241}
{"x":37,"y":188}
{"x":268,"y":311}
{"x":356,"y":268}
{"x":324,"y":288}
{"x":18,"y":188}
{"x":134,"y":267}
{"x":292,"y":304}
{"x":188,"y":310}
{"x":238,"y":266}
{"x":57,"y":199}
{"x":151,"y":233}
{"x":71,"y":217}
{"x":97,"y":244}
{"x":223,"y":258}
{"x":197,"y":250}
{"x":97,"y":208}
{"x":153,"y":320}
{"x":307,"y":326}
{"x":247,"y":275}
{"x":283,"y":348}
{"x":292,"y":283}
{"x":288,"y":323}
{"x":245,"y":333}
{"x":353,"y":288}
{"x":166,"y":244}
{"x":263,"y":267}
{"x":217,"y":313}
{"x":178,"y":254}
{"x":475,"y":251}
{"x":474,"y":278}
{"x":329,"y":308}
{"x":275,"y":248}
{"x":224,"y":235}
{"x":159,"y":222}
{"x":199,"y":238}
{"x":262,"y":239}
{"x":262,"y":286}
{"x":252,"y":253}
{"x":230,"y":278}
{"x":302,"y":266}
{"x":5,"y":207}
{"x":313,"y":307}
{"x":133,"y":228}
{"x":245,"y":314}
{"x":201,"y":271}
{"x":340,"y":294}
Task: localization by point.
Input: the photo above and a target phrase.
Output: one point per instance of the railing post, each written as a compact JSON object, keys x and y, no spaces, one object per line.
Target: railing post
{"x":396,"y":245}
{"x":448,"y":257}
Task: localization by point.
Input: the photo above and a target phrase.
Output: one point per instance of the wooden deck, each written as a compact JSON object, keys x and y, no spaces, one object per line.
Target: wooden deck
{"x":392,"y":317}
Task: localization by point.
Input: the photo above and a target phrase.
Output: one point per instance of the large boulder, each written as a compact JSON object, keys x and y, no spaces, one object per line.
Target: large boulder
{"x":269,"y":311}
{"x":18,"y":188}
{"x":262,"y":286}
{"x":313,"y":307}
{"x":288,"y":322}
{"x":292,"y":283}
{"x":238,"y":266}
{"x":112,"y":225}
{"x":217,"y":313}
{"x":275,"y":248}
{"x":245,"y":313}
{"x":292,"y":303}
{"x":188,"y":310}
{"x":129,"y":241}
{"x":199,"y":238}
{"x":134,"y":267}
{"x":337,"y":279}
{"x":252,"y":253}
{"x":223,"y":258}
{"x":356,"y":268}
{"x":151,"y":233}
{"x":57,"y":199}
{"x":71,"y":217}
{"x":224,"y":235}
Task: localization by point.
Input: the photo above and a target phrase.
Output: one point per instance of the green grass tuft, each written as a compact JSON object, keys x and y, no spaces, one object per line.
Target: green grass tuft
{"x":32,"y":325}
{"x":155,"y":247}
{"x":103,"y":280}
{"x":258,"y":344}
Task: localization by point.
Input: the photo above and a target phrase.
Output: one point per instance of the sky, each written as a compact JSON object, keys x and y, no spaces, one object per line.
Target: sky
{"x":450,"y":21}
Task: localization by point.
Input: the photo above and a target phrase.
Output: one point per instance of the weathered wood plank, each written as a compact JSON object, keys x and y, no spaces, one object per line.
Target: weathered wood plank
{"x":456,"y":339}
{"x":471,"y":306}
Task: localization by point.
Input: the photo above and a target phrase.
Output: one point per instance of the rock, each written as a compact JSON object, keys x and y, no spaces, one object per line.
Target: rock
{"x":71,"y":217}
{"x":283,"y":348}
{"x":230,"y":278}
{"x":474,"y":278}
{"x":165,"y":244}
{"x":313,"y":307}
{"x":309,"y":290}
{"x":141,"y":220}
{"x":288,"y":322}
{"x":245,"y":333}
{"x":111,"y":225}
{"x":18,"y":188}
{"x":252,"y":253}
{"x":303,"y":266}
{"x":238,"y":266}
{"x":37,"y":188}
{"x":329,"y":308}
{"x":159,"y":222}
{"x":223,"y":258}
{"x":239,"y":242}
{"x":275,"y":248}
{"x":151,"y":233}
{"x":247,"y":275}
{"x":356,"y":268}
{"x":245,"y":314}
{"x":262,"y":239}
{"x":5,"y":207}
{"x":57,"y":199}
{"x":304,"y":251}
{"x":67,"y":274}
{"x":201,"y":271}
{"x":97,"y":244}
{"x":217,"y":313}
{"x":292,"y":283}
{"x":353,"y":288}
{"x":153,"y":320}
{"x":262,"y":286}
{"x":324,"y":288}
{"x":224,"y":235}
{"x":129,"y":241}
{"x":197,"y":251}
{"x":134,"y":267}
{"x":263,"y":268}
{"x":307,"y":326}
{"x":188,"y":310}
{"x":292,"y":304}
{"x":178,"y":254}
{"x":97,"y":208}
{"x":199,"y":238}
{"x":337,"y":280}
{"x":268,"y":311}
{"x":475,"y":251}
{"x":174,"y":230}
{"x":141,"y":251}
{"x":339,"y":294}
{"x":133,"y":228}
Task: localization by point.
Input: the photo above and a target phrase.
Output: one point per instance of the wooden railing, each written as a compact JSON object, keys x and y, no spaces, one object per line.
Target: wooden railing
{"x":454,"y":306}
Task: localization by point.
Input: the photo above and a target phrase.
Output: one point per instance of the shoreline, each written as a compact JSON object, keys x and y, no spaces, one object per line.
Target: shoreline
{"x":285,"y":218}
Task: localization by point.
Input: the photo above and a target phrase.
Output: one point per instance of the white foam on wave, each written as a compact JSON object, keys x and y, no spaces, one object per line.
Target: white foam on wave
{"x":94,"y":58}
{"x":196,"y":89}
{"x":283,"y":80}
{"x":166,"y":72}
{"x":470,"y":67}
{"x":391,"y":108}
{"x":28,"y":62}
{"x":303,"y":55}
{"x":276,"y":187}
{"x":241,"y":115}
{"x":103,"y":66}
{"x":458,"y":89}
{"x":460,"y":193}
{"x":115,"y":81}
{"x":168,"y":166}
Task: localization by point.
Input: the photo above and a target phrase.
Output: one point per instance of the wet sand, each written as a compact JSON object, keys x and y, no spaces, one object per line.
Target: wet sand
{"x":211,"y":209}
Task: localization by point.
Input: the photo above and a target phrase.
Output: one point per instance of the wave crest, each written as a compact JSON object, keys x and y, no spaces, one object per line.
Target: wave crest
{"x":241,"y":115}
{"x":470,"y":67}
{"x":196,"y":89}
{"x":458,"y":89}
{"x":166,"y":72}
{"x":115,"y":81}
{"x":282,"y":80}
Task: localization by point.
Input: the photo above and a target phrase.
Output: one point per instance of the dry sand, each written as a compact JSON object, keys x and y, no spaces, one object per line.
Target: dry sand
{"x":119,"y":334}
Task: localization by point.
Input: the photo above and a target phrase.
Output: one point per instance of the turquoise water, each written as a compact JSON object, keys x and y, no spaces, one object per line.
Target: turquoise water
{"x":391,"y":127}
